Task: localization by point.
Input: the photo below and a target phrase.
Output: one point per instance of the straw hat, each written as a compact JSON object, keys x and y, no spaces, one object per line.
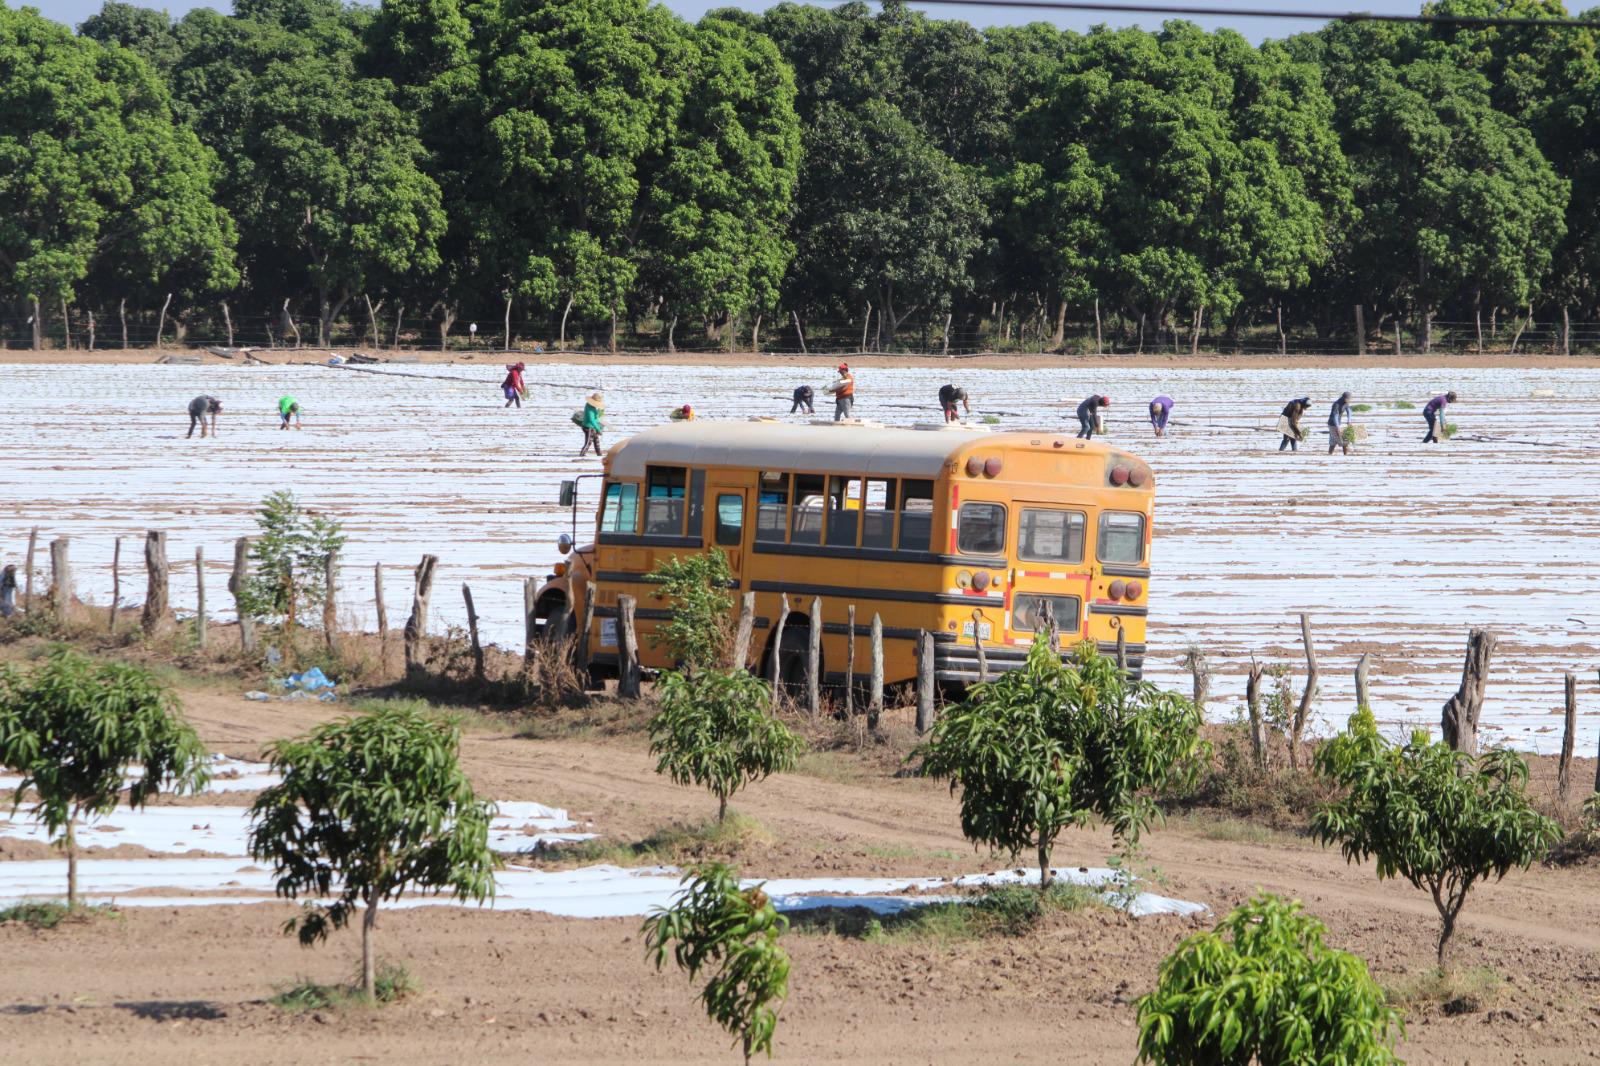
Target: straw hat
{"x":597,"y":398}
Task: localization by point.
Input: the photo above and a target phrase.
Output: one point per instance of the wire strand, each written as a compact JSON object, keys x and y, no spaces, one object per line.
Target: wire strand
{"x":1241,"y":12}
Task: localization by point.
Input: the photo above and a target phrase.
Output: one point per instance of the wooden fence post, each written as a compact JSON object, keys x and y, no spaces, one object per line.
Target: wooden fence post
{"x":875,"y":689}
{"x":116,"y":586}
{"x":200,"y":597}
{"x":588,"y":624}
{"x":1564,"y":770}
{"x":628,"y":684}
{"x":330,"y":602}
{"x":383,"y":613}
{"x":739,"y":655}
{"x":924,"y":682}
{"x":777,"y":650}
{"x":530,"y":620}
{"x":1047,"y":625}
{"x":850,"y":662}
{"x":814,"y":659}
{"x":1122,"y":651}
{"x":977,"y":643}
{"x":417,"y":624}
{"x":1459,"y":721}
{"x":1362,"y":700}
{"x":236,"y":585}
{"x":479,"y":674}
{"x":1303,"y":711}
{"x":1252,"y":699}
{"x":60,"y":579}
{"x":27,"y":570}
{"x":1597,"y":773}
{"x":155,"y":618}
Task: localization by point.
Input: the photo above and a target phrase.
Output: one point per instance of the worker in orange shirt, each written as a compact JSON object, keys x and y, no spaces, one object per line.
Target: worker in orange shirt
{"x":844,"y":393}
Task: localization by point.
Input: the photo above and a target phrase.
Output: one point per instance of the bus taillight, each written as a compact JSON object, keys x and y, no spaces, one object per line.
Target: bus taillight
{"x":1134,"y":589}
{"x":1120,"y":475}
{"x":1118,"y":589}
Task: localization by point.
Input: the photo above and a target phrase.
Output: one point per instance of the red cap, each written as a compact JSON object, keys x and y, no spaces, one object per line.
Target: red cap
{"x":1105,"y":401}
{"x":844,"y":366}
{"x":685,"y":408}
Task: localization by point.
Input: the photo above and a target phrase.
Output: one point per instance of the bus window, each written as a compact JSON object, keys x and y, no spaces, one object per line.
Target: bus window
{"x":916,"y":516}
{"x":807,"y":521}
{"x":1026,"y":607}
{"x":730,"y":519}
{"x":772,"y":511}
{"x":844,"y":510}
{"x":1051,"y":536}
{"x":1121,"y":537}
{"x":877,"y":515}
{"x":664,"y":500}
{"x":983,"y":529}
{"x":620,"y":512}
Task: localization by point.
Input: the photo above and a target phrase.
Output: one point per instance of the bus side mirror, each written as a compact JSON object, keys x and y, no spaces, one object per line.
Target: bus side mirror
{"x":564,"y":544}
{"x":569,"y":493}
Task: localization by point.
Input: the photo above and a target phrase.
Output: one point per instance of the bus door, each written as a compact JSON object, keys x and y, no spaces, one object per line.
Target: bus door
{"x":727,"y":522}
{"x":1049,"y":567}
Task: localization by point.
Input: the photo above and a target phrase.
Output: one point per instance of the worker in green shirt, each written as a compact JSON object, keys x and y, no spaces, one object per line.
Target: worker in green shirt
{"x":289,"y":409}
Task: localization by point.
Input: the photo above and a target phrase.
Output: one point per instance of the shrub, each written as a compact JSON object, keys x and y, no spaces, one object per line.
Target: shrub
{"x":715,"y":925}
{"x":72,"y":725}
{"x":1584,"y":841}
{"x":289,"y":558}
{"x":369,"y":808}
{"x":1437,"y":817}
{"x":1051,"y":746}
{"x":713,"y":730}
{"x":1262,"y":988}
{"x":696,"y":587}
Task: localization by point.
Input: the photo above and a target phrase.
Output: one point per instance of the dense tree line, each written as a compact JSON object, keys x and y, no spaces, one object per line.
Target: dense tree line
{"x":862,"y":175}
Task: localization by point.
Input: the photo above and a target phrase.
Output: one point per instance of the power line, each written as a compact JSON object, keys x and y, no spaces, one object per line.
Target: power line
{"x":1243,"y":12}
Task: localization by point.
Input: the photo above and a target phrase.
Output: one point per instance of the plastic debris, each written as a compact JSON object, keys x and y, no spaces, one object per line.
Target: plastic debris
{"x":257,"y":695}
{"x":311,"y":684}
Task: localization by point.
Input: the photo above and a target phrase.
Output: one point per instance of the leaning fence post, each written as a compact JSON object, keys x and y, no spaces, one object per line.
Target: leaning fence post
{"x":27,"y":570}
{"x":628,"y":684}
{"x":1459,"y":722}
{"x":777,"y":650}
{"x":116,"y":586}
{"x":417,"y":624}
{"x":977,"y":643}
{"x":1361,"y":681}
{"x":924,"y":681}
{"x":875,"y":692}
{"x":478,"y":672}
{"x":200,"y":597}
{"x":383,"y":614}
{"x":850,"y":662}
{"x":60,"y":579}
{"x":1564,"y":769}
{"x":530,"y":620}
{"x":236,"y":586}
{"x":155,"y":617}
{"x":588,"y":623}
{"x":814,"y":659}
{"x":330,"y":601}
{"x":1303,"y":711}
{"x":739,"y":655}
{"x":1252,"y":700}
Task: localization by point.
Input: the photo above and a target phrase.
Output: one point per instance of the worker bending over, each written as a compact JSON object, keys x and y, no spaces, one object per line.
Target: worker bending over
{"x":1339,"y":412}
{"x":1160,"y":411}
{"x":1089,"y":415}
{"x":802,"y":401}
{"x":1289,"y":423}
{"x":200,"y":409}
{"x":1434,"y":413}
{"x":949,"y":396}
{"x":288,"y":410}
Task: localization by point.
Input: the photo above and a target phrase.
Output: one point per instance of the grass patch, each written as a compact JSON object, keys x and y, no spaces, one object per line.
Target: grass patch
{"x":990,"y":420}
{"x":1403,"y":405}
{"x":47,"y":914}
{"x":1361,"y":408}
{"x":1005,"y":911}
{"x":1231,"y":830}
{"x":906,"y":851}
{"x":668,"y":846}
{"x":1449,"y":430}
{"x":391,"y":984}
{"x":1461,"y":991}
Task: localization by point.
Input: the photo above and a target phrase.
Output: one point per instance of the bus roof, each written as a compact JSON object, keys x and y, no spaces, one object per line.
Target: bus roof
{"x":845,"y":448}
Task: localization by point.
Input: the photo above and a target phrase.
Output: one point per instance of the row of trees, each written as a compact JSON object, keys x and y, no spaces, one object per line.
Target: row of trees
{"x":585,"y":163}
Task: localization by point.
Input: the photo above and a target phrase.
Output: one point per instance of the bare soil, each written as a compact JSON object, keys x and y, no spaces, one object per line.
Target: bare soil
{"x":164,"y":984}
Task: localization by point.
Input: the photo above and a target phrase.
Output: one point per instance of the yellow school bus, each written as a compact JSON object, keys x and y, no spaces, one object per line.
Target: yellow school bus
{"x":955,"y":531}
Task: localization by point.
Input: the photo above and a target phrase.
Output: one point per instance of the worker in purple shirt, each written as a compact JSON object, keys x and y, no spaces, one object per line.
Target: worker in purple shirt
{"x":1160,"y":411}
{"x":1434,"y":413}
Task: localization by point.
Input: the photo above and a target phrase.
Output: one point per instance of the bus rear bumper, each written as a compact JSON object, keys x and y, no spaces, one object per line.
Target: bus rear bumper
{"x":959,"y":662}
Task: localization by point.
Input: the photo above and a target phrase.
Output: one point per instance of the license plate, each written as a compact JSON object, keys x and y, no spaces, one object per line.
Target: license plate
{"x":608,"y":632}
{"x":985,"y":631}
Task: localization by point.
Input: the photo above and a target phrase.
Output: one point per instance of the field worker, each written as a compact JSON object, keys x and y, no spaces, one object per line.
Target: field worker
{"x":288,"y":408}
{"x":1339,"y":412}
{"x":844,"y":393}
{"x":1160,"y":411}
{"x":512,"y":386}
{"x":949,"y":396}
{"x":589,"y":421}
{"x":1289,"y":423}
{"x":1089,"y":415}
{"x":802,"y":401}
{"x":1434,"y":413}
{"x":201,"y":408}
{"x":8,"y":591}
{"x":682,"y":414}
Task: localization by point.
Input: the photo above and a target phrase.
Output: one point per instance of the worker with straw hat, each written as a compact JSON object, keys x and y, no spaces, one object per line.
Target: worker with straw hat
{"x":588,"y":420}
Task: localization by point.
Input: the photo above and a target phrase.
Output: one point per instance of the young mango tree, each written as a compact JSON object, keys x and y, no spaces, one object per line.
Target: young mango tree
{"x":73,"y":726}
{"x":713,"y":730}
{"x":289,"y":559}
{"x":716,"y":925}
{"x":1054,"y":745}
{"x":1262,"y":987}
{"x":1439,"y":818}
{"x":369,"y":808}
{"x":696,"y":587}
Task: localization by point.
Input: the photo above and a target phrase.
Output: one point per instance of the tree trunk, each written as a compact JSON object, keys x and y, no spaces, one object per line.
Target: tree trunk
{"x":1397,"y":333}
{"x":613,"y":342}
{"x":1361,"y":330}
{"x":417,"y":624}
{"x":289,"y":324}
{"x":722,"y":808}
{"x":1564,"y":770}
{"x":866,"y":324}
{"x":236,"y":586}
{"x":200,"y":597}
{"x":564,"y":313}
{"x":977,"y":645}
{"x":944,"y":345}
{"x":875,"y":686}
{"x":755,"y":336}
{"x":372,"y":319}
{"x":1566,"y":332}
{"x":399,"y":317}
{"x":1362,"y":702}
{"x":70,"y":843}
{"x":582,"y":649}
{"x":1044,"y":868}
{"x":739,"y":655}
{"x":1460,"y":719}
{"x":777,"y":650}
{"x":61,"y":580}
{"x":530,"y":619}
{"x":1522,"y":324}
{"x":1252,"y":699}
{"x":627,"y":650}
{"x":122,"y":316}
{"x":1283,"y":338}
{"x":156,"y":617}
{"x":37,"y":322}
{"x":479,"y":674}
{"x":369,"y":961}
{"x":1099,"y":345}
{"x":508,"y":322}
{"x":66,"y":325}
{"x":1199,"y":323}
{"x":1477,"y":315}
{"x":161,"y":320}
{"x":91,"y":331}
{"x":382,"y":612}
{"x":814,"y":659}
{"x":925,"y":681}
{"x":799,"y":332}
{"x":330,"y":602}
{"x":116,"y":586}
{"x":447,"y":318}
{"x":1059,"y":336}
{"x":1310,"y":693}
{"x":227,"y":322}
